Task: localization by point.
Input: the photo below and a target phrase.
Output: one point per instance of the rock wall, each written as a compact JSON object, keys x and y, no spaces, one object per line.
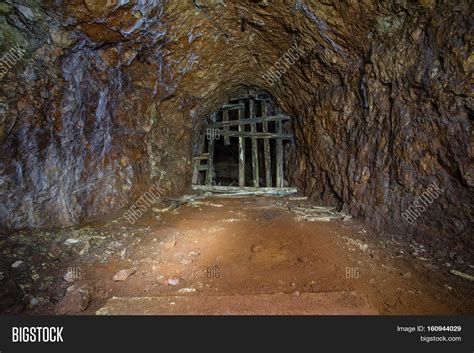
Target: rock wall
{"x":397,"y":119}
{"x":109,"y":94}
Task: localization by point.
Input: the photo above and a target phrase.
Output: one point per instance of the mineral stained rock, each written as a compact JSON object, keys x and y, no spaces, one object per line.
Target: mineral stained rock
{"x":103,"y":98}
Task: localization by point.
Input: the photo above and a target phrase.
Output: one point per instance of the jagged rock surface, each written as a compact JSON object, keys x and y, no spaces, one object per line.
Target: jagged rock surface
{"x":109,"y":94}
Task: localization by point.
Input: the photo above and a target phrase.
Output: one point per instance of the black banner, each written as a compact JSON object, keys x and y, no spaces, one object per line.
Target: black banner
{"x":313,"y":334}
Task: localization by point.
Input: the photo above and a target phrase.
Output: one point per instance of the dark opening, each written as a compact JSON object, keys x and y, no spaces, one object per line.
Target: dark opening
{"x":222,"y":151}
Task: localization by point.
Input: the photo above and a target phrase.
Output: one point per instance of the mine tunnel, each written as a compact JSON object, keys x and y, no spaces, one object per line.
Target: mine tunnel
{"x":231,"y":156}
{"x":250,"y":152}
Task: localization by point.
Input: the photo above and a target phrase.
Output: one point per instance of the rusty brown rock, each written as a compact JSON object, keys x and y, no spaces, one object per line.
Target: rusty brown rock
{"x":381,"y":101}
{"x":76,"y":300}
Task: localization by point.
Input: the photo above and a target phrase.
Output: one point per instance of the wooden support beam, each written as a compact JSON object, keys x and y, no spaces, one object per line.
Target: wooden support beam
{"x":249,"y":121}
{"x":241,"y":150}
{"x":210,"y":160}
{"x":239,"y":96}
{"x":256,"y":135}
{"x":232,"y":106}
{"x":253,"y":129}
{"x":266,"y":148}
{"x":197,"y":161}
{"x":225,"y":119}
{"x":246,"y":94}
{"x":202,"y":156}
{"x":248,"y":190}
{"x":222,"y":128}
{"x":279,"y":156}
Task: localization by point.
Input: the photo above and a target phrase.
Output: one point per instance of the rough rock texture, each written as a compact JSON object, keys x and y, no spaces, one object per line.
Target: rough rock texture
{"x":109,"y":94}
{"x":76,"y":299}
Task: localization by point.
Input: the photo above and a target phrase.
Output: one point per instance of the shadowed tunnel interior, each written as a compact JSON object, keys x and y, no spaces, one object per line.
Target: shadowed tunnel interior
{"x":103,"y":103}
{"x":243,"y":156}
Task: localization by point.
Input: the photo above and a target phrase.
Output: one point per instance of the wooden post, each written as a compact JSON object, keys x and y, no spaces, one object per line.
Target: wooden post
{"x":225,"y":118}
{"x":279,"y":156}
{"x":266,"y":148}
{"x":210,"y":159}
{"x":253,"y":128}
{"x":198,"y":158}
{"x":241,"y":149}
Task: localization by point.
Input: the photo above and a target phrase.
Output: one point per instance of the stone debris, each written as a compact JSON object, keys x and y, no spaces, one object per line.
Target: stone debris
{"x":34,"y":301}
{"x":462,"y":275}
{"x":69,"y":277}
{"x":17,"y":264}
{"x":76,"y":300}
{"x":176,"y":203}
{"x":122,"y":275}
{"x":185,"y":261}
{"x":205,"y":203}
{"x":174,"y":281}
{"x":317,"y":214}
{"x":318,"y":219}
{"x":297,"y":198}
{"x":165,"y":209}
{"x":187,"y":290}
{"x":230,"y":220}
{"x":170,"y":244}
{"x":356,"y":243}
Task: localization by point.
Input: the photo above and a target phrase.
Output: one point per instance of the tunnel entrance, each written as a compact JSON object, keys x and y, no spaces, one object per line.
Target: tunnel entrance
{"x":241,"y":145}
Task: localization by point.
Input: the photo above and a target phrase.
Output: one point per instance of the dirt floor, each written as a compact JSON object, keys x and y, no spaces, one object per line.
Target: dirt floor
{"x":221,"y":248}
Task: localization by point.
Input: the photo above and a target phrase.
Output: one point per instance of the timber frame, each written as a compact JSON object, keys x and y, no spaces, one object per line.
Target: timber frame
{"x":246,"y":126}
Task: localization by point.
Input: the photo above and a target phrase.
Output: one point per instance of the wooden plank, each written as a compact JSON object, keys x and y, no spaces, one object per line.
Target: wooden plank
{"x":202,"y":156}
{"x":279,"y":156}
{"x":280,"y":117}
{"x":197,"y":162}
{"x":241,"y":150}
{"x":241,"y":94}
{"x":253,"y":128}
{"x":266,"y":148}
{"x":232,"y":106}
{"x":238,"y":97}
{"x":250,"y":190}
{"x":210,"y":160}
{"x":225,"y":119}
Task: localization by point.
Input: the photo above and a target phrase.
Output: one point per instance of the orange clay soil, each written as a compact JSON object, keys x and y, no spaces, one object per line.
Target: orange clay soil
{"x":237,"y":250}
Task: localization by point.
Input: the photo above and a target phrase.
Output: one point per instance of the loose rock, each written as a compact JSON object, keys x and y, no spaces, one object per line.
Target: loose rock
{"x":76,"y":300}
{"x":122,"y":275}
